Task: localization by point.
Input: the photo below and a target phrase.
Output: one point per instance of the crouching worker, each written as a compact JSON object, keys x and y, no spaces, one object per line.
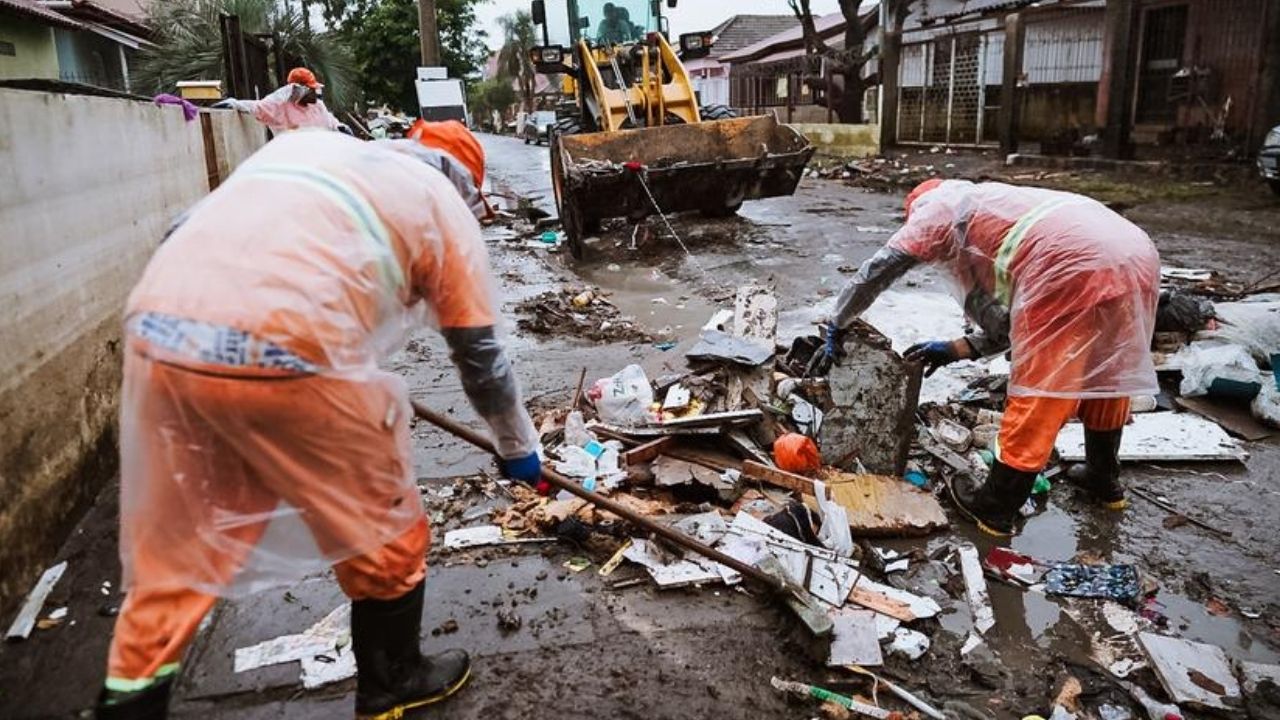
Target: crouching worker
{"x":1063,"y":283}
{"x":260,"y":440}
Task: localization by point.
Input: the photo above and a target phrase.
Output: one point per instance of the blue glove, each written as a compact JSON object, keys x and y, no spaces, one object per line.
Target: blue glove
{"x":835,"y":341}
{"x":526,"y":469}
{"x":934,"y":354}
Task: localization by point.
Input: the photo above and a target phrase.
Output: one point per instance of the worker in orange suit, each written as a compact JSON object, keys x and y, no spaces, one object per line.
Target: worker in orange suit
{"x":292,"y":106}
{"x":260,"y":440}
{"x":1064,"y":284}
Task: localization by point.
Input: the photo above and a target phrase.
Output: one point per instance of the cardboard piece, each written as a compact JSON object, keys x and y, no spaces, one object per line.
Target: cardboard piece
{"x":883,"y":506}
{"x":1235,"y":419}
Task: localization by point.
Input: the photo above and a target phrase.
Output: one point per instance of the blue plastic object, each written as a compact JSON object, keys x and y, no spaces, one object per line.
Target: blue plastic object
{"x":917,"y":478}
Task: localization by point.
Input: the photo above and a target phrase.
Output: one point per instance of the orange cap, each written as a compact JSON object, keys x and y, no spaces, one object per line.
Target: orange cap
{"x":797,"y":453}
{"x":917,"y":191}
{"x":303,"y":76}
{"x":455,"y":139}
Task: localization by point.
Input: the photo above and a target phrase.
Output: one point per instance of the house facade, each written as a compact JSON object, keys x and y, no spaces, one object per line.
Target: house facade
{"x":711,"y":75}
{"x":74,"y":41}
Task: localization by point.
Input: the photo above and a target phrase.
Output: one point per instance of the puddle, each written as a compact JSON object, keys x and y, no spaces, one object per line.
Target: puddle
{"x":656,"y":300}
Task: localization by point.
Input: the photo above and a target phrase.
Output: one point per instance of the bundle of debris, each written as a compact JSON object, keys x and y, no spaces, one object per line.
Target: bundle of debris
{"x":583,"y":312}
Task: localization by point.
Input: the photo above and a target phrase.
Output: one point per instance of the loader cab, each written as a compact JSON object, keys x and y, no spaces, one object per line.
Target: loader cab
{"x":599,"y":22}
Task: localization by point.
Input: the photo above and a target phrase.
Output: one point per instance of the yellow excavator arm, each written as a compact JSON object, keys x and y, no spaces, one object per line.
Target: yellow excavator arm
{"x":650,"y":102}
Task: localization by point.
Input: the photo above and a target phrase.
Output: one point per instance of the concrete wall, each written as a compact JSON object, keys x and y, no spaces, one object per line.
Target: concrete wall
{"x":91,"y":184}
{"x":34,"y":52}
{"x":842,"y":141}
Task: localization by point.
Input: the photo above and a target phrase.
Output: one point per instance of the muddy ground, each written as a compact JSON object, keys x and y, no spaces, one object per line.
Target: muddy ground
{"x":586,"y":650}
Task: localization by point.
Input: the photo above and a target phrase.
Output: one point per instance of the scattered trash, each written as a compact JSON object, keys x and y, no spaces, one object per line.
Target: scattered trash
{"x":25,"y":621}
{"x":755,"y":316}
{"x":623,"y":398}
{"x":817,"y":693}
{"x":797,"y":453}
{"x":1113,"y":582}
{"x":717,"y":346}
{"x":577,"y":563}
{"x":483,"y":535}
{"x":909,"y":643}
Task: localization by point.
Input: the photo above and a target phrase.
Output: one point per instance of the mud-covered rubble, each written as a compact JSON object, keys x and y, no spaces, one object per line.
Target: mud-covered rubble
{"x":578,"y":312}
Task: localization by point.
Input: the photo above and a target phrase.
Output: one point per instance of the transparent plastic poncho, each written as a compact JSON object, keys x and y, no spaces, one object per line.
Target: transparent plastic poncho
{"x":1079,"y":282}
{"x":281,"y":112}
{"x":241,"y":472}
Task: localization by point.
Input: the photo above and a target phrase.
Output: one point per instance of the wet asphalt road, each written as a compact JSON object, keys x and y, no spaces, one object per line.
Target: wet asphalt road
{"x":586,"y":651}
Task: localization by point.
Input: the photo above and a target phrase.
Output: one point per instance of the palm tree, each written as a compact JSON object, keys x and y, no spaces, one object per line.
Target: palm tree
{"x":518,"y":37}
{"x":188,"y":40}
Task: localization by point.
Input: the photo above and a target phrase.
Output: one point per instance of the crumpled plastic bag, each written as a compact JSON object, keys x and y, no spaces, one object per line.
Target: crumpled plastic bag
{"x":1253,"y":323}
{"x":624,"y":397}
{"x":1206,"y":363}
{"x":834,"y":532}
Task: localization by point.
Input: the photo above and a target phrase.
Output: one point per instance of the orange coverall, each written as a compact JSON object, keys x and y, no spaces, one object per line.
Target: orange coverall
{"x":1064,"y":283}
{"x":321,"y":250}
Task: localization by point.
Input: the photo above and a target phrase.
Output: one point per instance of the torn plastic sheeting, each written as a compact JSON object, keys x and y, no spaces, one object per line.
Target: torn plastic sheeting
{"x":834,"y":532}
{"x":719,"y":346}
{"x":324,"y":651}
{"x":1253,"y":323}
{"x":1216,"y":369}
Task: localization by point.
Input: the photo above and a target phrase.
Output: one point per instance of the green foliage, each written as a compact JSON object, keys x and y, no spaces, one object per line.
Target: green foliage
{"x":518,"y":37}
{"x":188,"y":41}
{"x":383,"y":36}
{"x":488,"y":95}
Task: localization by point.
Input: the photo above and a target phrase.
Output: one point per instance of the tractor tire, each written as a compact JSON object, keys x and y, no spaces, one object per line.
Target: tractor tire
{"x":1275,"y":187}
{"x":717,"y":112}
{"x":526,"y":139}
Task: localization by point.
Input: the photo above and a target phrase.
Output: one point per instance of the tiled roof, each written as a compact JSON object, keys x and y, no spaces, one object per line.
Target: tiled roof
{"x":32,"y":9}
{"x":740,"y":31}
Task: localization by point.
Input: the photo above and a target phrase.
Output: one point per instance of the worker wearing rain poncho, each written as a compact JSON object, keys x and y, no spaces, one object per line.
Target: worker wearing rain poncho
{"x":260,"y":440}
{"x":1063,"y":283}
{"x":292,"y":106}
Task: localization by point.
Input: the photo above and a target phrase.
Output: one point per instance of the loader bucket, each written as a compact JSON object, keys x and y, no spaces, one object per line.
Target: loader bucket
{"x":709,"y":166}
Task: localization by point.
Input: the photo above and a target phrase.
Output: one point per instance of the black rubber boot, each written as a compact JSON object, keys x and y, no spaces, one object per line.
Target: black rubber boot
{"x":1099,"y":474}
{"x":392,"y":675}
{"x":149,"y":704}
{"x":996,"y":504}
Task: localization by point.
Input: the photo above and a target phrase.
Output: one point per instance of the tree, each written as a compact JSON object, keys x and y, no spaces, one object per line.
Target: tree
{"x":488,"y":96}
{"x":383,"y":35}
{"x":518,"y":37}
{"x":846,"y":64}
{"x":188,"y":39}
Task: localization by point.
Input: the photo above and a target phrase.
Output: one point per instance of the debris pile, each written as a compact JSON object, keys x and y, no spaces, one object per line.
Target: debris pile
{"x":583,"y":312}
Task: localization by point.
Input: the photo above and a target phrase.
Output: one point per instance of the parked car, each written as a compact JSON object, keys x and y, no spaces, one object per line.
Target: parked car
{"x":537,"y":126}
{"x":1269,"y":159}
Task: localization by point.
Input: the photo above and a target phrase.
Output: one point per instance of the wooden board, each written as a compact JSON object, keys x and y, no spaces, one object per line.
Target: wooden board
{"x":1235,"y":419}
{"x":1160,"y":436}
{"x":883,"y":506}
{"x":647,"y":451}
{"x":1192,"y":673}
{"x":778,"y":478}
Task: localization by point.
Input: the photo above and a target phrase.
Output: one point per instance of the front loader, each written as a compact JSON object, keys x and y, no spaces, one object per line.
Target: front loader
{"x":631,"y":139}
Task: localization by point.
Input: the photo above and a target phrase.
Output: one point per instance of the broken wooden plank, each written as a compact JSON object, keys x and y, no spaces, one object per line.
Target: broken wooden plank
{"x":882,"y":603}
{"x":1192,"y":673}
{"x":25,"y":620}
{"x":878,"y":505}
{"x":647,"y":451}
{"x":1235,"y":419}
{"x":854,"y":640}
{"x":975,"y":586}
{"x":720,"y":418}
{"x":777,"y":478}
{"x":1160,"y":436}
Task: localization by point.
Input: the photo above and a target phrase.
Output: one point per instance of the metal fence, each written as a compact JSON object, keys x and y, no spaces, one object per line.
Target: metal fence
{"x":943,"y":88}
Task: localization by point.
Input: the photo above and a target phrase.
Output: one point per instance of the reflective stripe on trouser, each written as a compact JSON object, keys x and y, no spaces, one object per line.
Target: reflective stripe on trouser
{"x":155,"y":627}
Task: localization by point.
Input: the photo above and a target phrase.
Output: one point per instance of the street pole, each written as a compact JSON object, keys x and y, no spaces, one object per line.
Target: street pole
{"x":429,"y":33}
